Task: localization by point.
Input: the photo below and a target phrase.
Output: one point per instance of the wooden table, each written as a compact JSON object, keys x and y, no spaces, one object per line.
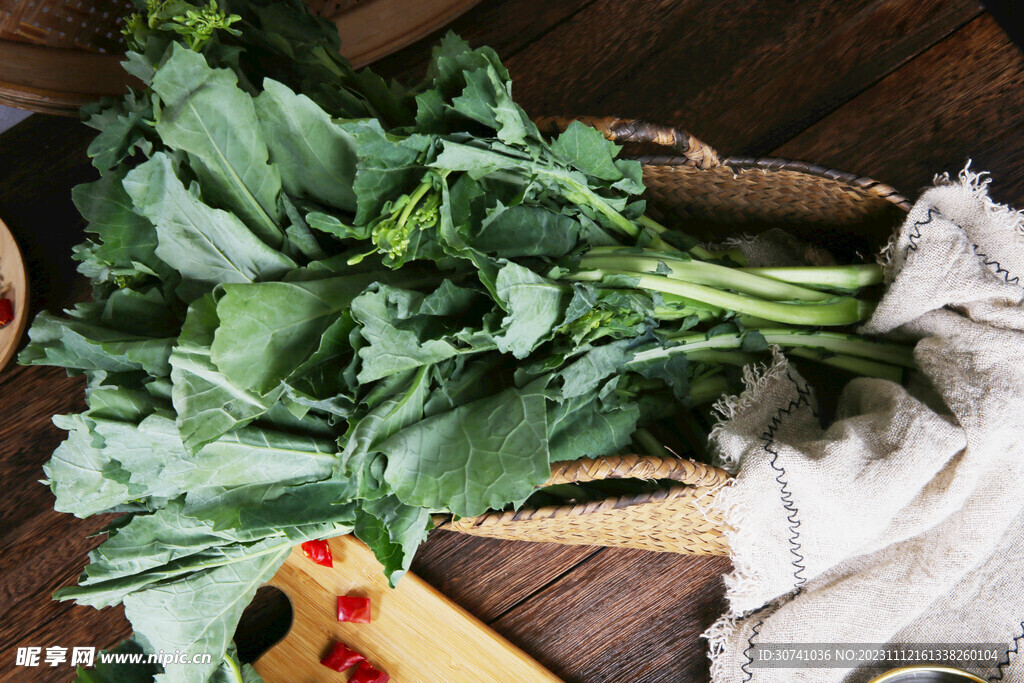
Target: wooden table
{"x":894,"y":89}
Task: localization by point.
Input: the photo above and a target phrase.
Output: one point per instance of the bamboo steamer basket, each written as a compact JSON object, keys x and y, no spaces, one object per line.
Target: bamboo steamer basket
{"x":692,"y":187}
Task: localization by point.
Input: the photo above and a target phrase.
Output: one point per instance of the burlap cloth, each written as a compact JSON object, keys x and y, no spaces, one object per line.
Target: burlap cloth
{"x":903,"y":520}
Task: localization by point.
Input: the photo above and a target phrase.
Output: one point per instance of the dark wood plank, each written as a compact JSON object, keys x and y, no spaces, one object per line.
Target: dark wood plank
{"x":40,"y":549}
{"x":489,"y":576}
{"x":960,"y":100}
{"x":41,"y":159}
{"x":624,"y":615}
{"x":505,"y":25}
{"x":741,"y":75}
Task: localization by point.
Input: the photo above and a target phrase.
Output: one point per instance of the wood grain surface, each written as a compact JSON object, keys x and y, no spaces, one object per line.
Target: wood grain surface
{"x":895,"y":89}
{"x":415,"y":632}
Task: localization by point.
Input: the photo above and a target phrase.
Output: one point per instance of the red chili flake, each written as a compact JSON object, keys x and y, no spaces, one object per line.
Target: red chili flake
{"x":319,"y":552}
{"x":367,"y":674}
{"x":351,"y":608}
{"x":6,"y":312}
{"x":341,"y":658}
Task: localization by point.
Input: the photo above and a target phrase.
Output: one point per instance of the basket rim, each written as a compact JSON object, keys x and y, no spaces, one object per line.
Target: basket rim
{"x":743,"y":163}
{"x":547,"y":512}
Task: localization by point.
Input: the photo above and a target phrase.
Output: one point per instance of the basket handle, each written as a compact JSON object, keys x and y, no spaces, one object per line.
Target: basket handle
{"x":669,"y":519}
{"x":633,"y":130}
{"x":637,"y":467}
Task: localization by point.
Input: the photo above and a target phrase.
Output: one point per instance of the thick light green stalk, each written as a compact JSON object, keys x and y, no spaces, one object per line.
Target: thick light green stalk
{"x":861,"y":366}
{"x":654,"y":229}
{"x":832,"y":342}
{"x":646,"y":441}
{"x":708,"y":389}
{"x":836,"y":311}
{"x":701,"y":273}
{"x":832,"y":277}
{"x":715,"y":356}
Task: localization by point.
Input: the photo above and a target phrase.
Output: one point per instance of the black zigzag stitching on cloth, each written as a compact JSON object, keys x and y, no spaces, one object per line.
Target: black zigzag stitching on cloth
{"x":1005,"y":661}
{"x":745,"y":667}
{"x":768,"y":437}
{"x":999,"y":269}
{"x":915,"y":236}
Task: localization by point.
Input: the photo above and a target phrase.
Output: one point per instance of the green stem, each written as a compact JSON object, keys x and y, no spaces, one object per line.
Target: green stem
{"x":833,"y":342}
{"x":721,"y":357}
{"x":414,"y":199}
{"x":654,"y":228}
{"x":708,"y":389}
{"x":709,"y":274}
{"x":235,"y":671}
{"x":646,"y":441}
{"x":861,"y":366}
{"x":833,"y":277}
{"x":836,"y":311}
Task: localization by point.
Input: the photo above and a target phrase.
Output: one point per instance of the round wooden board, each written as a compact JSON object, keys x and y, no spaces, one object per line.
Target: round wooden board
{"x":12,"y":269}
{"x":372,"y":29}
{"x":57,"y":80}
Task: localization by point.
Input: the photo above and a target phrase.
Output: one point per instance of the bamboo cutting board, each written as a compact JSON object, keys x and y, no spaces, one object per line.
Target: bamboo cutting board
{"x":416,"y":634}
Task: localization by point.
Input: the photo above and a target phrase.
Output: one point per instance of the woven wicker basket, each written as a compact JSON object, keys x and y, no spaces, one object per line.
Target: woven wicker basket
{"x":694,"y":189}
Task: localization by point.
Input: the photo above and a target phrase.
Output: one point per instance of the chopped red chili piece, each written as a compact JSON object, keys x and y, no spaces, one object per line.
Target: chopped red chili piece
{"x":319,"y":552}
{"x":367,"y":674}
{"x":6,"y":312}
{"x":351,"y":608}
{"x":341,"y":658}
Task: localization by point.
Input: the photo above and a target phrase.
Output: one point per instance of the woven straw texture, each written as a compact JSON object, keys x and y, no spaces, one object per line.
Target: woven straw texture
{"x":669,"y":520}
{"x":82,"y":24}
{"x":712,"y":198}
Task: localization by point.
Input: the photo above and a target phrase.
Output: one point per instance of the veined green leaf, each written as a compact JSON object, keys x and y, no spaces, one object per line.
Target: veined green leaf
{"x":393,"y":531}
{"x":205,"y":114}
{"x":82,"y":345}
{"x":481,"y":455}
{"x":206,"y":245}
{"x":125,"y":241}
{"x":535,"y":307}
{"x":316,"y":157}
{"x":268,"y":329}
{"x":589,"y":151}
{"x":198,"y":614}
{"x":207,"y":402}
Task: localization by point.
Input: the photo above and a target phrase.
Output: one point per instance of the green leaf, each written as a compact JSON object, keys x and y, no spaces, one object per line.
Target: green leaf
{"x":198,"y":614}
{"x":115,"y":672}
{"x":268,"y":329}
{"x":583,"y":375}
{"x":535,"y":307}
{"x":402,"y":409}
{"x":582,"y":427}
{"x":123,"y":125}
{"x":392,"y":348}
{"x":82,"y":345}
{"x":588,"y":150}
{"x":316,"y":157}
{"x":481,"y":455}
{"x":527,"y":231}
{"x":207,"y":402}
{"x":206,"y":245}
{"x":393,"y":531}
{"x":125,"y":241}
{"x":387,"y":166}
{"x":205,"y":114}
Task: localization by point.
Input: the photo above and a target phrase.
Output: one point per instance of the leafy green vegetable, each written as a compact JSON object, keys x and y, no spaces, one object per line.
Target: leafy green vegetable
{"x":323,"y":304}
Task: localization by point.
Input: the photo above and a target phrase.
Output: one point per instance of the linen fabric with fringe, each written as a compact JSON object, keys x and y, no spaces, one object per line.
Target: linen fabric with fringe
{"x":903,"y":520}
